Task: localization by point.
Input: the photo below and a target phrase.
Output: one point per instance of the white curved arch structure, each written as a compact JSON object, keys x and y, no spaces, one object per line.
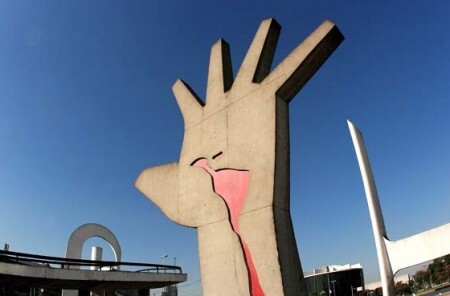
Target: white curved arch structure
{"x":79,"y":237}
{"x":395,"y":255}
{"x":89,"y":230}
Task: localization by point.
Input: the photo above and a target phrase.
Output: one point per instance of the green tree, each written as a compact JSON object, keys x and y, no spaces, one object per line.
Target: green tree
{"x":421,"y":280}
{"x":379,"y":291}
{"x":402,"y":289}
{"x":436,"y":273}
{"x":439,"y":270}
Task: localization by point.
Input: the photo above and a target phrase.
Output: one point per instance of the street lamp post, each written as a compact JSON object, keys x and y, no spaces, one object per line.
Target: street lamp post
{"x":163,"y":258}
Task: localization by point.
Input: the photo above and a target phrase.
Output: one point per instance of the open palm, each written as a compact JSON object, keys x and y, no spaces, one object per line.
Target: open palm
{"x":243,"y":125}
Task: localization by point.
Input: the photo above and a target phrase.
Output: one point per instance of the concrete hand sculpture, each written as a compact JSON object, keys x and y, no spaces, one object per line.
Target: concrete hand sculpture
{"x":232,"y":179}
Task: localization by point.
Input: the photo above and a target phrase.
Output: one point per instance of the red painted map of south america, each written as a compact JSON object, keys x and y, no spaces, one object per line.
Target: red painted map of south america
{"x":232,"y":185}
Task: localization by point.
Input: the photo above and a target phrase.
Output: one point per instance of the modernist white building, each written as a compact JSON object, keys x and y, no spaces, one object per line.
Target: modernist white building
{"x":339,"y":280}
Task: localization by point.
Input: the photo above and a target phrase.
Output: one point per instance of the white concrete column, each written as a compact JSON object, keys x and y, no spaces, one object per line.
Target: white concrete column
{"x":376,"y":215}
{"x":96,"y":254}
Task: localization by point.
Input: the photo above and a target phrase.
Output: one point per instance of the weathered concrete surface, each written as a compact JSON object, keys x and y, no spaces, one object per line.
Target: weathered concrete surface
{"x":395,"y":255}
{"x":17,"y":275}
{"x":246,"y":120}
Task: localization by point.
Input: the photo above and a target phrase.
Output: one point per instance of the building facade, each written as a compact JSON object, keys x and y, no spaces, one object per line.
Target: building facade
{"x":336,"y":280}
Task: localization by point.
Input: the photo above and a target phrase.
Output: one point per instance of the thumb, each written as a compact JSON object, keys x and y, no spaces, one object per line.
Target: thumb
{"x":160,"y":185}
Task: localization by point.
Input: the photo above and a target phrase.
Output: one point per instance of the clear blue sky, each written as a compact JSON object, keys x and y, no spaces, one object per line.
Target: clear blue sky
{"x":86,"y":104}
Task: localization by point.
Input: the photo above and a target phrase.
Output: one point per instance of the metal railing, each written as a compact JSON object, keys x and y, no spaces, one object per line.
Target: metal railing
{"x":67,"y":263}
